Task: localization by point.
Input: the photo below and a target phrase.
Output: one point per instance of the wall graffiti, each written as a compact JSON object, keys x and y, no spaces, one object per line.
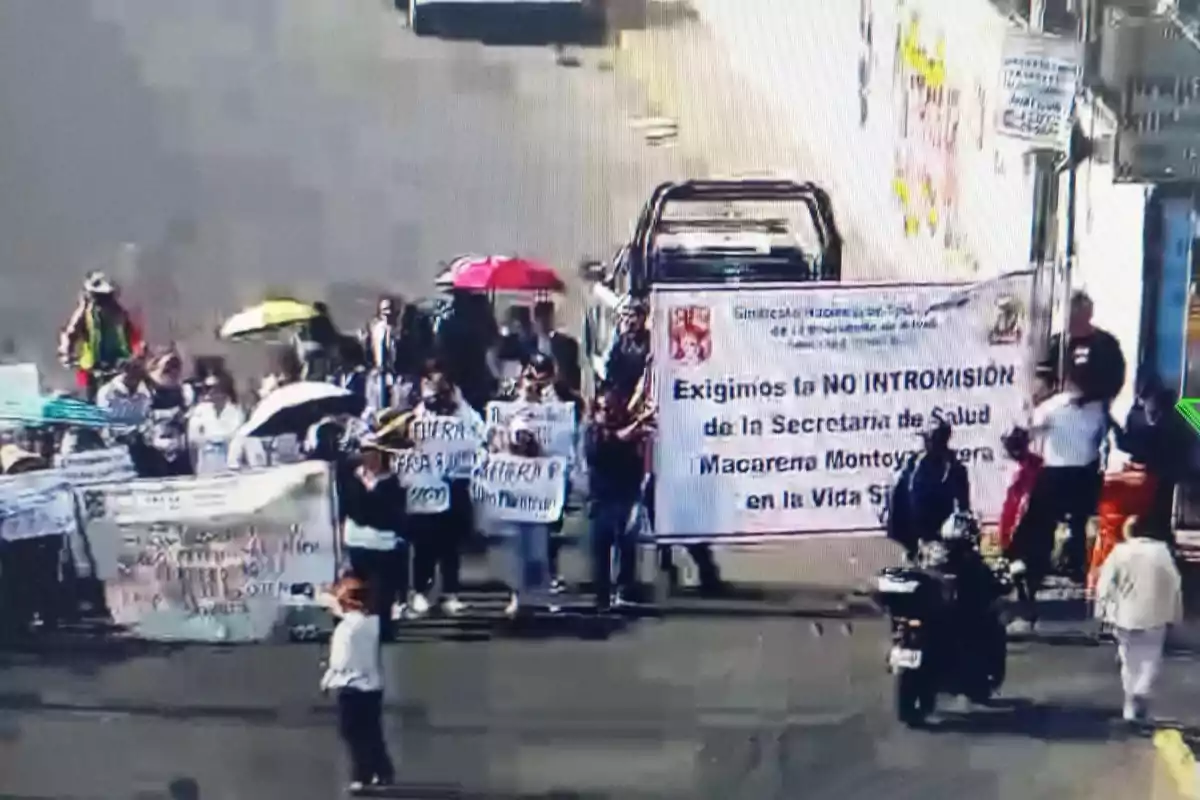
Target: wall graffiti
{"x":934,"y":119}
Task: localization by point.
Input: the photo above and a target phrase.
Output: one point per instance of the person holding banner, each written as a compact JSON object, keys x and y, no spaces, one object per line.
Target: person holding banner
{"x":372,"y":510}
{"x":443,"y":426}
{"x":528,"y":541}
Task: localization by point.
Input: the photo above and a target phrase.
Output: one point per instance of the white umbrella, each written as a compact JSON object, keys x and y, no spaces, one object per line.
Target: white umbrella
{"x":294,"y":408}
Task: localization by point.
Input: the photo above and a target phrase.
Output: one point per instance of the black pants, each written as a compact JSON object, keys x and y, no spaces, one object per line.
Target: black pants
{"x":360,"y":723}
{"x":608,"y":522}
{"x":1059,"y":493}
{"x":439,"y":540}
{"x":386,"y":572}
{"x":29,"y":582}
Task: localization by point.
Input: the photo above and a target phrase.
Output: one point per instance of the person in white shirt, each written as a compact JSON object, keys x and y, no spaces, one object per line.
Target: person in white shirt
{"x":1139,"y":593}
{"x":1070,"y":431}
{"x":355,"y":673}
{"x":212,"y":424}
{"x":127,"y":397}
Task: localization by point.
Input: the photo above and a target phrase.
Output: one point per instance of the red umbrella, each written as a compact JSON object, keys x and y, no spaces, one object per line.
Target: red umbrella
{"x":505,"y":274}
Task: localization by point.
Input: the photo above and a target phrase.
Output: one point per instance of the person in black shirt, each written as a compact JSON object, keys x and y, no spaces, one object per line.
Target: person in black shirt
{"x":1093,"y":353}
{"x":561,"y":347}
{"x":1158,"y":439}
{"x":615,"y":470}
{"x":626,"y":360}
{"x":371,"y":508}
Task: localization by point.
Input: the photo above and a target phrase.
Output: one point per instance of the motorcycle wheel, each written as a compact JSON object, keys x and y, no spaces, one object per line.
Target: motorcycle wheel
{"x":914,"y":700}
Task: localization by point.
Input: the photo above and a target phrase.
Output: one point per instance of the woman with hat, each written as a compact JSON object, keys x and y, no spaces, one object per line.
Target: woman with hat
{"x":372,"y":509}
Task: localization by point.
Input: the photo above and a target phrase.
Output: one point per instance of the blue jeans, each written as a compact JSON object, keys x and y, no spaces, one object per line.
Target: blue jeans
{"x":608,"y":528}
{"x":528,"y":546}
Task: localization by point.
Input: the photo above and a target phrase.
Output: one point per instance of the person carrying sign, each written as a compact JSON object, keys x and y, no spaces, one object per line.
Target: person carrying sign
{"x":932,"y":486}
{"x":528,"y":541}
{"x":439,"y":537}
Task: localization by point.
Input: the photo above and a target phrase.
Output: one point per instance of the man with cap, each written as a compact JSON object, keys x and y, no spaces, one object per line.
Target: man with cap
{"x":932,"y":486}
{"x":99,"y":335}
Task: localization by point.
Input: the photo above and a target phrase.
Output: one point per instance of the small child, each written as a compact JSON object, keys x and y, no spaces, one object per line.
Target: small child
{"x":1139,"y":593}
{"x":355,"y":673}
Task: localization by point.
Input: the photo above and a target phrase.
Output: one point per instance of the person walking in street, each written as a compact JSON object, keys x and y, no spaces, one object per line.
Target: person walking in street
{"x":932,"y":486}
{"x":1158,"y":440}
{"x":1139,"y":594}
{"x":440,"y":537}
{"x":99,"y":336}
{"x":1070,"y":428}
{"x":528,"y":542}
{"x":392,"y":356}
{"x":615,"y":470}
{"x":372,"y":509}
{"x":625,"y":363}
{"x":355,"y":674}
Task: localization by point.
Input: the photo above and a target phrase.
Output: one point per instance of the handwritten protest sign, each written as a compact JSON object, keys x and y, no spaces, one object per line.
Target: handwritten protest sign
{"x":509,"y":488}
{"x":36,"y":505}
{"x":555,"y":424}
{"x":110,"y":465}
{"x":424,"y":478}
{"x":454,"y":441}
{"x":214,"y":558}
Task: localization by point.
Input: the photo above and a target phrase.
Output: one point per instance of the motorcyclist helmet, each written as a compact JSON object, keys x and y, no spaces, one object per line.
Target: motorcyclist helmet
{"x":961,"y":527}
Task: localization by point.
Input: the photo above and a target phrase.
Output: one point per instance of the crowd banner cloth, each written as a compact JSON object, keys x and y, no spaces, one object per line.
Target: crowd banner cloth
{"x":787,"y":411}
{"x":555,"y":424}
{"x":508,"y":488}
{"x":217,"y":558}
{"x":451,"y":443}
{"x":36,"y":504}
{"x":108,"y":465}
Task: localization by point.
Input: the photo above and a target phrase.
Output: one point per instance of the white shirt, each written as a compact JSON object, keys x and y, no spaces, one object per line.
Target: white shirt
{"x":1070,"y":434}
{"x":1139,"y":586}
{"x":210,"y":432}
{"x":354,"y":657}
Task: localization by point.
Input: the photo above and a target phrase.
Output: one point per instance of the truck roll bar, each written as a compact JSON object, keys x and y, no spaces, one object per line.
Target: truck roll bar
{"x":816,"y":199}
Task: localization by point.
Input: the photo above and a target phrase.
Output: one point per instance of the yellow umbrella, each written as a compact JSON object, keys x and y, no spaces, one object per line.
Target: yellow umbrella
{"x":267,"y":316}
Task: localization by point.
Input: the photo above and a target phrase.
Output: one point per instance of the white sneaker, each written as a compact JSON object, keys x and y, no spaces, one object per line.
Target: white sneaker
{"x":419,"y":604}
{"x":1019,"y":627}
{"x":514,"y":606}
{"x":453,"y":606}
{"x":399,"y":611}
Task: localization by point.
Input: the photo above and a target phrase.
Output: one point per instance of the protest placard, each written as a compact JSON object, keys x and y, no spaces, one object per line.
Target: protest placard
{"x":424,"y":477}
{"x":110,"y":465}
{"x":214,"y":558}
{"x":451,"y":441}
{"x":555,"y":424}
{"x":35,"y":505}
{"x":508,"y":488}
{"x":806,"y":434}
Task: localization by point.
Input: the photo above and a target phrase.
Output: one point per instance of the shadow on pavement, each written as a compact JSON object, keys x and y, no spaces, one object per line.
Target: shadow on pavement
{"x":511,"y":25}
{"x":1057,"y":722}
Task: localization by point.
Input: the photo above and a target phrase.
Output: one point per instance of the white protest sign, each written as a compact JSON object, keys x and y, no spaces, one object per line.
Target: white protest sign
{"x":36,"y":505}
{"x":110,"y":465}
{"x":789,"y":411}
{"x":20,"y":388}
{"x":1039,"y":77}
{"x":509,"y":488}
{"x":454,"y":440}
{"x":555,"y":423}
{"x":424,"y":478}
{"x":199,"y":559}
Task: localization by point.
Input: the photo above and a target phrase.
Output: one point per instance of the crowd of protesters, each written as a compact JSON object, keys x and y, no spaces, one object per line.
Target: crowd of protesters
{"x":407,"y":362}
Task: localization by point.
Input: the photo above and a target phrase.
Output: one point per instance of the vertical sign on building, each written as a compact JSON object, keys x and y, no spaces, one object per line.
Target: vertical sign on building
{"x":1038,"y":80}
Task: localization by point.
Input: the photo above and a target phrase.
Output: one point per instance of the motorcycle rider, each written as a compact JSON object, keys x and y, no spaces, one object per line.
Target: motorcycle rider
{"x":99,"y":336}
{"x":931,"y":487}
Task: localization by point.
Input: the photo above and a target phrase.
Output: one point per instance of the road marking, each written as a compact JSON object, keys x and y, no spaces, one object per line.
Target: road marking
{"x":1179,"y":760}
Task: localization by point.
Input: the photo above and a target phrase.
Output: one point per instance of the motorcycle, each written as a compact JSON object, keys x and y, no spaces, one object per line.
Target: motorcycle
{"x":946,"y":632}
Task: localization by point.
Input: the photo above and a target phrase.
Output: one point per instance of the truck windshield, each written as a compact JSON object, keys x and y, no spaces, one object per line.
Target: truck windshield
{"x":742,"y":242}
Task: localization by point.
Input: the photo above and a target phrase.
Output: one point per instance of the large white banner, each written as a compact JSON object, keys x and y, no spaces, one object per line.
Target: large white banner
{"x":108,"y":465}
{"x":788,"y":411}
{"x":213,"y":558}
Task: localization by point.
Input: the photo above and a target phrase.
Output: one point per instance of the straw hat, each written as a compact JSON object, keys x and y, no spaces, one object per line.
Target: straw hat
{"x":13,"y":457}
